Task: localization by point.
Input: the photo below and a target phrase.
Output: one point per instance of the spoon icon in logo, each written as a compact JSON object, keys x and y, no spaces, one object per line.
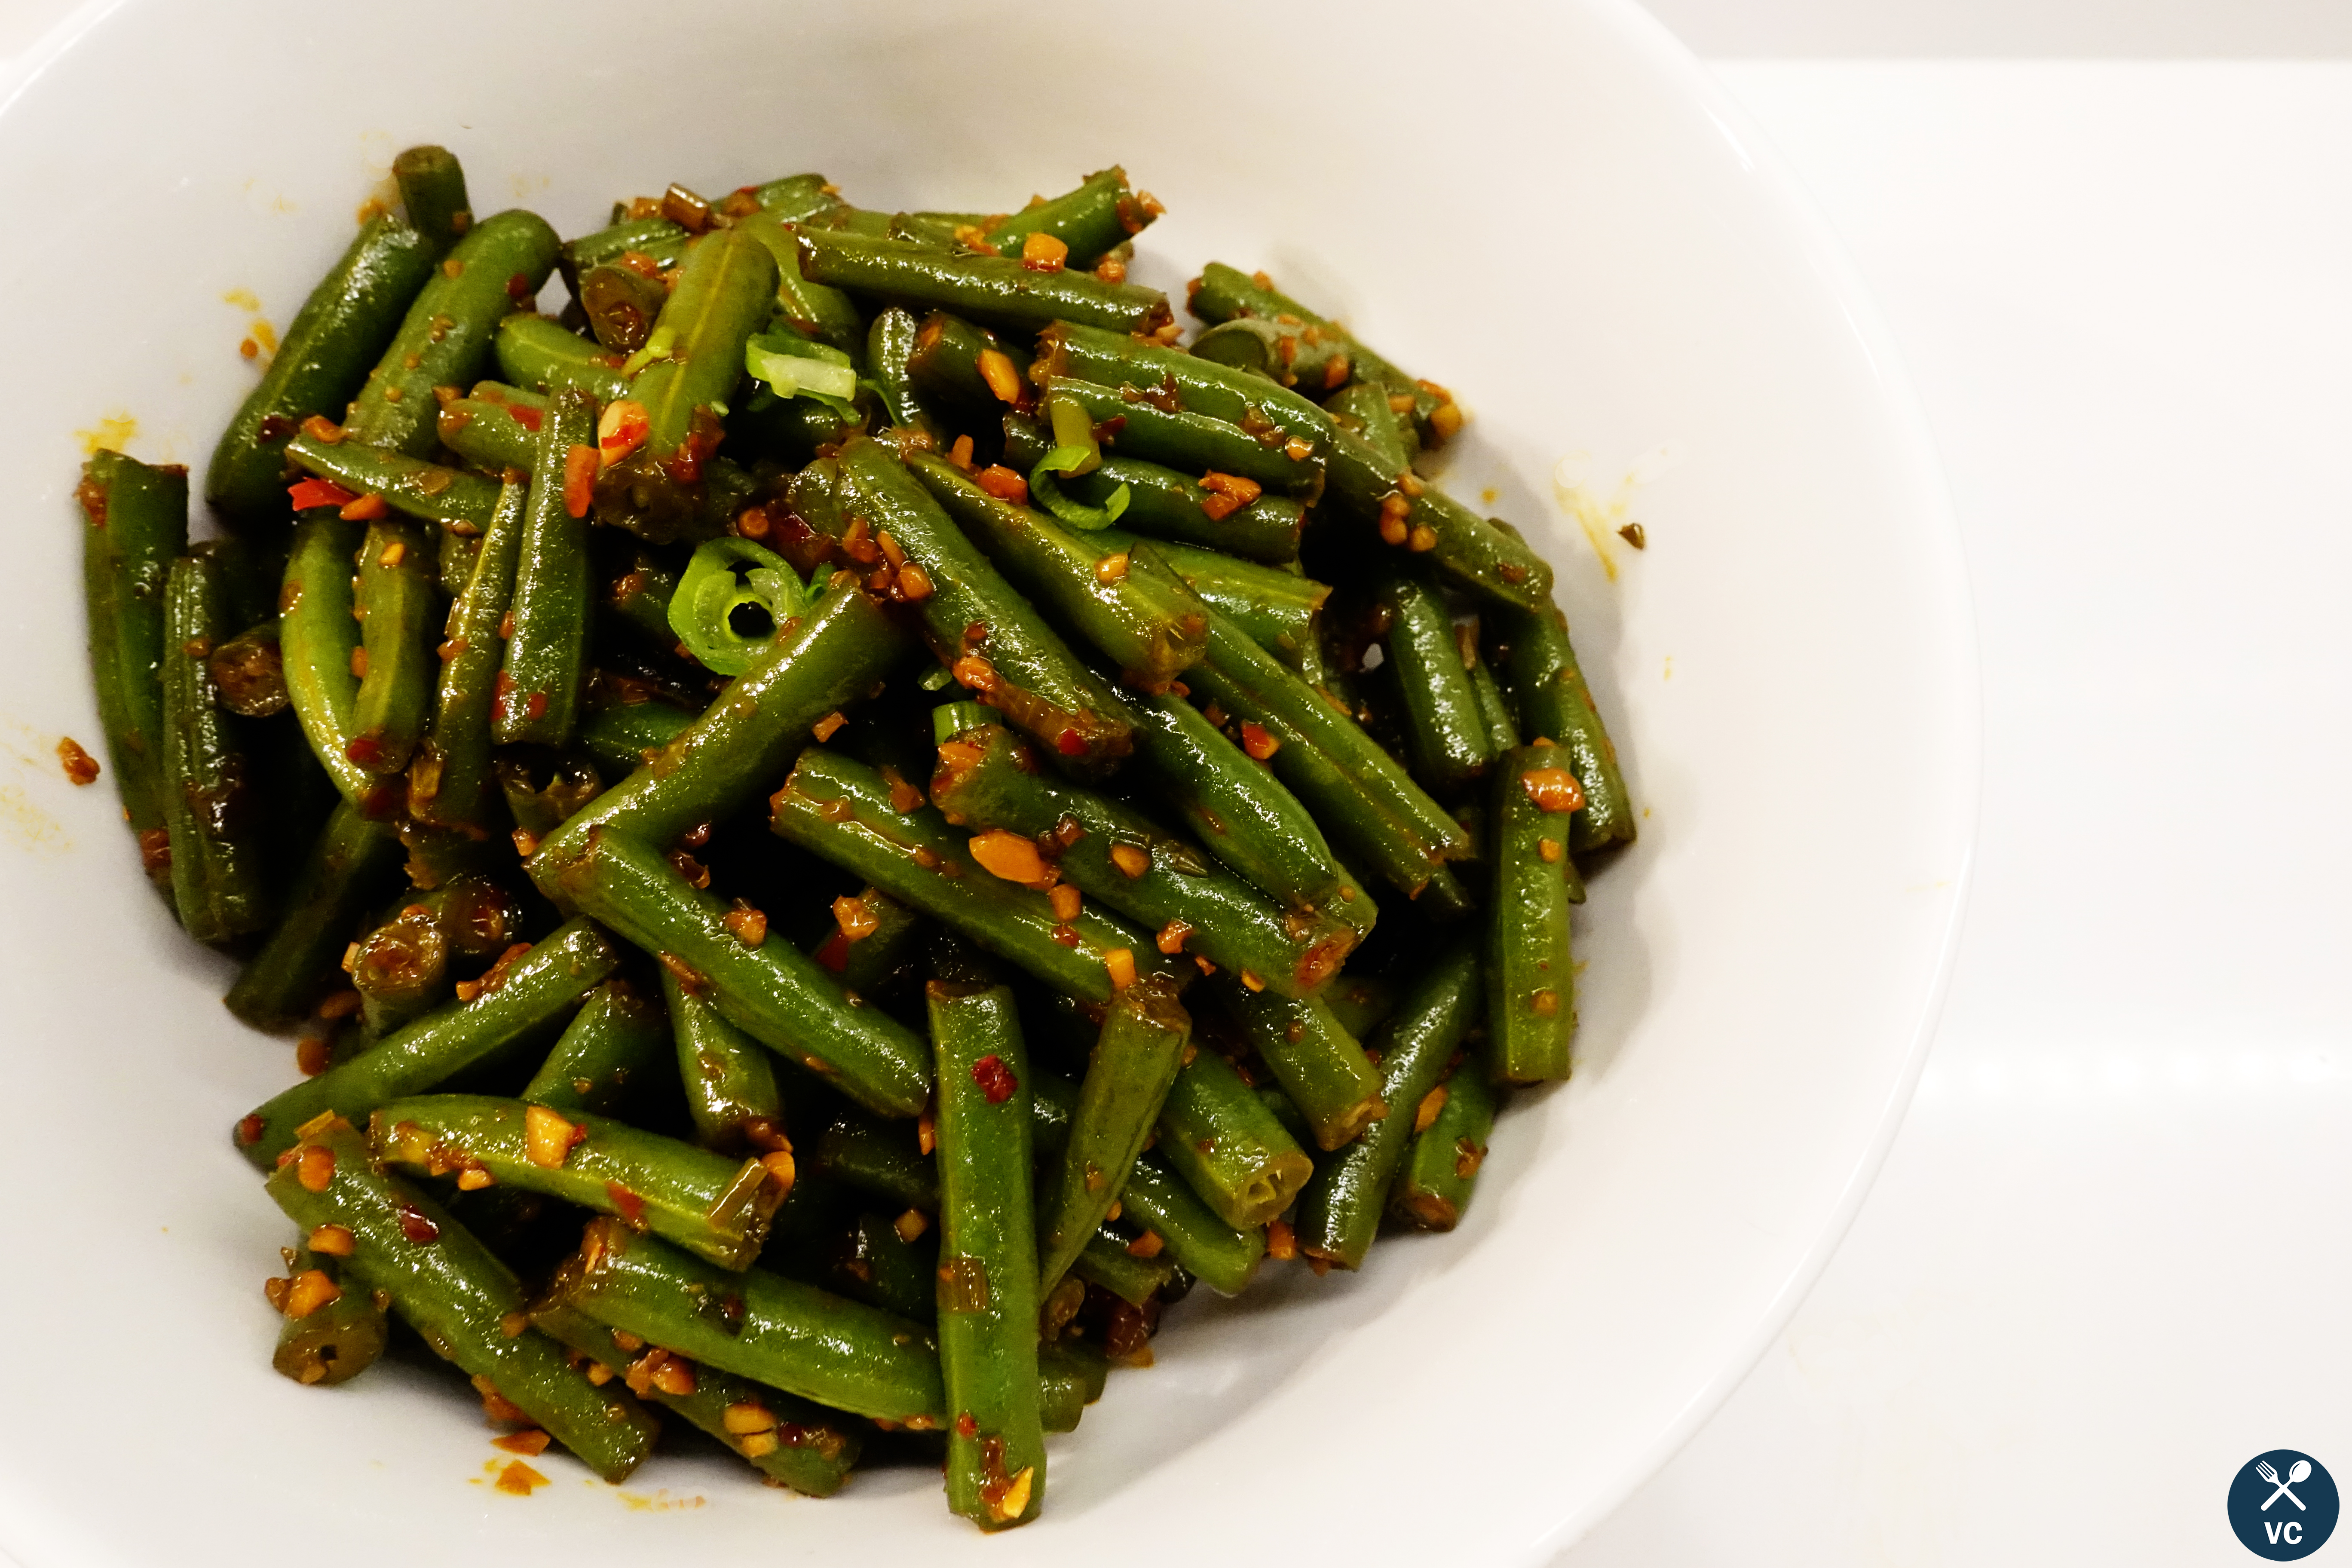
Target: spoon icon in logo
{"x":2297,"y":1473}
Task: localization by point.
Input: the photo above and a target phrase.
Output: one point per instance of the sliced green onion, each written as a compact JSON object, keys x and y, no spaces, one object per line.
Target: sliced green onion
{"x":658,"y":346}
{"x":935,"y":679}
{"x":1045,"y":493}
{"x":952,"y":719}
{"x":729,"y":601}
{"x":795,"y":367}
{"x":1075,"y":450}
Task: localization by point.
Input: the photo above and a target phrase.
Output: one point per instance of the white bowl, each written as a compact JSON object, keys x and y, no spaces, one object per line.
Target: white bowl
{"x":1546,"y":206}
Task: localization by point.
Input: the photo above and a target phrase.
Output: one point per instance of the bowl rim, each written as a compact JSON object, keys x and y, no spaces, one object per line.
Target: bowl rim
{"x":1936,"y":519}
{"x":1932,"y":516}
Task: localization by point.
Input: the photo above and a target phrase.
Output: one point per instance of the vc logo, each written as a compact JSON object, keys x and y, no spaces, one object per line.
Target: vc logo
{"x":2282,"y":1505}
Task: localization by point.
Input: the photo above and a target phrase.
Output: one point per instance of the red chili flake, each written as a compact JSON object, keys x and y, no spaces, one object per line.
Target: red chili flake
{"x":627,"y":1205}
{"x":524,"y":414}
{"x":249,"y":1131}
{"x":276,"y":427}
{"x":1070,"y":744}
{"x":995,"y":1079}
{"x":537,"y":706}
{"x":364,"y":750}
{"x":319,"y":493}
{"x":579,"y":480}
{"x":519,"y":287}
{"x":417,"y":1226}
{"x":966,"y":1427}
{"x":835,"y":954}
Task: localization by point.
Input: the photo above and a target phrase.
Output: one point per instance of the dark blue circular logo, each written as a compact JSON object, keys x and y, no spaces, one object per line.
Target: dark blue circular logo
{"x":2282,"y":1505}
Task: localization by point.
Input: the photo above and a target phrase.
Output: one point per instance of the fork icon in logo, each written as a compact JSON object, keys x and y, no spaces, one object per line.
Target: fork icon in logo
{"x":2297,"y":1473}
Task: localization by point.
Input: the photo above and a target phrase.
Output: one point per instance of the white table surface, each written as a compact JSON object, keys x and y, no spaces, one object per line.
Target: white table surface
{"x":2099,"y":1271}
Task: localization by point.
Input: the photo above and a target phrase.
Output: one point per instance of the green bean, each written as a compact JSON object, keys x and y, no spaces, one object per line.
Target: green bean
{"x":1281,"y":611}
{"x":1420,"y":519}
{"x":639,"y":596}
{"x":824,"y":314}
{"x":731,"y":1083}
{"x":494,"y":434}
{"x":432,"y":185}
{"x":755,"y":1324}
{"x":988,"y":1257}
{"x":1496,"y":715}
{"x":798,"y":198}
{"x":997,"y":291}
{"x":1120,"y":857}
{"x":339,"y":332}
{"x":210,"y":810}
{"x":1105,"y":1260}
{"x":790,"y":1441}
{"x":618,"y":1041}
{"x":1444,"y":731}
{"x":1016,"y":663}
{"x":137,"y":517}
{"x":1227,"y":1146}
{"x":620,"y":737}
{"x":1064,"y":1387}
{"x":1097,"y":218}
{"x":889,"y":345}
{"x":1361,"y":1002}
{"x":1153,"y":1195}
{"x":1319,"y":1063}
{"x":399,"y":587}
{"x":1165,"y":504}
{"x":445,"y":340}
{"x":421,"y":490}
{"x":515,"y":1003}
{"x":1222,"y":1257}
{"x":657,"y":239}
{"x":1195,"y":443}
{"x":456,"y":1295}
{"x":867,"y":1259}
{"x":621,"y":304}
{"x":684,"y":379}
{"x":250,"y":675}
{"x":318,"y":637}
{"x":1135,"y":1058}
{"x":449,"y":782}
{"x":1362,"y":408}
{"x":350,"y":866}
{"x":1108,"y":585}
{"x":955,"y":366}
{"x":1269,"y":414}
{"x":818,"y":663}
{"x":1530,"y":969}
{"x":339,"y":1337}
{"x":770,"y":989}
{"x":1222,"y":294}
{"x":1277,"y":344}
{"x":1340,"y":1212}
{"x":713,"y":1206}
{"x":1251,"y":684}
{"x":537,"y":699}
{"x":877,"y":1157}
{"x":1433,"y":1184}
{"x":866,"y":962}
{"x":544,"y":788}
{"x":401,"y":969}
{"x":1241,"y":812}
{"x":539,"y":354}
{"x":1540,"y":668}
{"x":1285,"y":1111}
